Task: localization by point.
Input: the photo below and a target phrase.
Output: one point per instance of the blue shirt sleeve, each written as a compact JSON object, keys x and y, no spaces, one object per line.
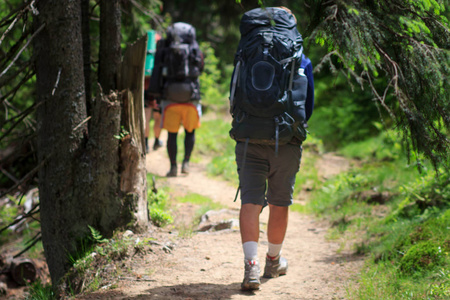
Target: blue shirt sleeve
{"x":309,"y":105}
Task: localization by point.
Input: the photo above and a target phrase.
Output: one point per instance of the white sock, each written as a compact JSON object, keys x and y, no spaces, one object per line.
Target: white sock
{"x":250,"y":250}
{"x":274,"y":249}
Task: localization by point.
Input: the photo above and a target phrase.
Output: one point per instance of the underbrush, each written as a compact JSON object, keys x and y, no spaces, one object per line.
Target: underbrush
{"x":102,"y":263}
{"x":158,"y":206}
{"x":399,"y":218}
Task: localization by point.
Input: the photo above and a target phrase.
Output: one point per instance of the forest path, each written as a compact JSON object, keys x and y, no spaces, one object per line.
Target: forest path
{"x":209,"y":265}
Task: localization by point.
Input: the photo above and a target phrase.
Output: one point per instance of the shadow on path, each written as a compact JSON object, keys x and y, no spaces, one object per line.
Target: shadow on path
{"x":204,"y":291}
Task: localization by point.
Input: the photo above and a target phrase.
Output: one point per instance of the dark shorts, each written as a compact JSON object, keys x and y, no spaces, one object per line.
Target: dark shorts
{"x":266,"y":178}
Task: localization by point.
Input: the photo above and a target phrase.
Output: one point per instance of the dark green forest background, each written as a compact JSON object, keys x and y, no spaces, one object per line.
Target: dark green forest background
{"x":346,"y":107}
{"x":382,"y":100}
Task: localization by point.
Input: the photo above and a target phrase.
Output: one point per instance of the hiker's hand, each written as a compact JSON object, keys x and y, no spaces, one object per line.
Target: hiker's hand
{"x":153,"y":104}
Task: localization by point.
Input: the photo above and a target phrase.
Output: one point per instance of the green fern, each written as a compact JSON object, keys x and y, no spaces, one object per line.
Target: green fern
{"x":96,"y":235}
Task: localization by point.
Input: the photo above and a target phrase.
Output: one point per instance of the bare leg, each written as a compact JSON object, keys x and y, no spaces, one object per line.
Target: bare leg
{"x":148,"y":115}
{"x":157,"y":124}
{"x":249,"y":222}
{"x":277,"y":225}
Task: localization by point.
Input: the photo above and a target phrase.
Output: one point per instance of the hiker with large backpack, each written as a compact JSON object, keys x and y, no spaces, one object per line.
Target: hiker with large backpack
{"x":178,"y":64}
{"x":271,"y":99}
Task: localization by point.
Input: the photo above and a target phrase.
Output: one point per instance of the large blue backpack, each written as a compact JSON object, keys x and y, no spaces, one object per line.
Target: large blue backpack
{"x":268,"y":87}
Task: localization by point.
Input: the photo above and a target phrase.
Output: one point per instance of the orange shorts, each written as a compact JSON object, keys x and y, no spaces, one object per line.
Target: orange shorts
{"x":185,"y":114}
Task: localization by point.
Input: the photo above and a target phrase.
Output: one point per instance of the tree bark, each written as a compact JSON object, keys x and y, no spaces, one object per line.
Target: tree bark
{"x":133,"y":180}
{"x":85,"y":28}
{"x":84,"y":179}
{"x":61,"y":130}
{"x":110,"y":37}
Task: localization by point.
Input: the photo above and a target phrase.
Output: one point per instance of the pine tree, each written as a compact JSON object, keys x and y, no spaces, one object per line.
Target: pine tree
{"x":403,"y":42}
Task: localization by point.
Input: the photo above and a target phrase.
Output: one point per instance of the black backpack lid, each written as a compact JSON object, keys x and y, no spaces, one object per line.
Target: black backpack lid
{"x":183,"y":31}
{"x":263,"y":16}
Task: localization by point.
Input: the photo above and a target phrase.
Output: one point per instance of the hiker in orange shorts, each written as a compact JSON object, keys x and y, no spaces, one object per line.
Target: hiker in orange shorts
{"x":178,"y":63}
{"x":174,"y":115}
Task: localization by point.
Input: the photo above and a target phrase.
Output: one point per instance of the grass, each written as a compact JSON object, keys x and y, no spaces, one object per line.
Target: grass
{"x":199,"y":206}
{"x":404,"y":234}
{"x":163,"y":208}
{"x":40,"y":291}
{"x":204,"y":204}
{"x":213,"y":140}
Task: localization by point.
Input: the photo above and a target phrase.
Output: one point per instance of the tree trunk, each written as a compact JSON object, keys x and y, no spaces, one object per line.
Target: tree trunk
{"x":84,"y":179}
{"x":133,"y":176}
{"x":110,"y":55}
{"x":61,"y":129}
{"x":85,"y":28}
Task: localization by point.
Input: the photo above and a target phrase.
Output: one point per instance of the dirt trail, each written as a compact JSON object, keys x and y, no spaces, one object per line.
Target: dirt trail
{"x":210,"y":265}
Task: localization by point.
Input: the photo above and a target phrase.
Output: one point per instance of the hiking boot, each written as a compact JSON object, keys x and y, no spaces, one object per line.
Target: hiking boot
{"x":251,"y":276}
{"x":158,"y":144}
{"x":173,"y":172}
{"x":185,"y":167}
{"x":275,"y":267}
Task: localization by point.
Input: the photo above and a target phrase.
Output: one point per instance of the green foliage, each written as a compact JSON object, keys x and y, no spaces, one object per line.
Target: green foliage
{"x":195,"y":199}
{"x":159,"y":217}
{"x":157,"y":205}
{"x":383,"y":147}
{"x":213,"y":139}
{"x":40,"y":291}
{"x":367,"y":41}
{"x":80,"y":258}
{"x":122,"y":134}
{"x":308,"y":176}
{"x":116,"y":248}
{"x":405,"y":234}
{"x":24,"y":233}
{"x":425,"y":192}
{"x":7,"y":215}
{"x":139,"y":17}
{"x":210,"y":79}
{"x":340,"y":116}
{"x":96,"y":236}
{"x":17,"y":93}
{"x":411,"y":258}
{"x":421,"y":257}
